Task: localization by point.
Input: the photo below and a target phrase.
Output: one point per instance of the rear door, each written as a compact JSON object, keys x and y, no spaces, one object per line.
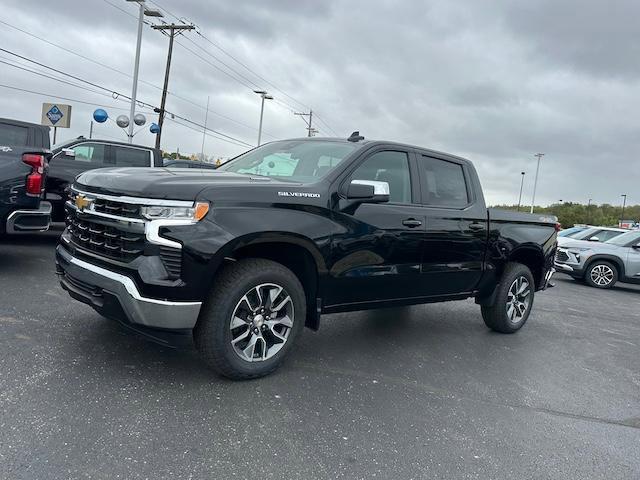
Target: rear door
{"x":456,"y":226}
{"x":377,"y":255}
{"x":130,"y":156}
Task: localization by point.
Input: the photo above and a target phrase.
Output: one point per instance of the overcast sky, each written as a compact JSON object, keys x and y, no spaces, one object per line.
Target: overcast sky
{"x":494,"y":81}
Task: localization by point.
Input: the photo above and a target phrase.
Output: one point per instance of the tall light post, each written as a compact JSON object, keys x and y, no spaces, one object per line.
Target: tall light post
{"x":535,"y":182}
{"x":136,"y":66}
{"x":521,"y":185}
{"x":589,"y":211}
{"x":624,"y":203}
{"x":265,"y":96}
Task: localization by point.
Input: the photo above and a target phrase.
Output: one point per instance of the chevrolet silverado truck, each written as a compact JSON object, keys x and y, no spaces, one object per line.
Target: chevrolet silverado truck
{"x":241,"y":258}
{"x":24,"y":155}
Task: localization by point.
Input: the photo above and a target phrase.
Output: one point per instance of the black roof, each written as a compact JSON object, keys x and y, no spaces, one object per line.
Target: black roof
{"x":20,"y":123}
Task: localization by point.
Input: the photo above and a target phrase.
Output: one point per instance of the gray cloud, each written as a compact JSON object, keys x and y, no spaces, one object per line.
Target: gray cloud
{"x":493,"y":81}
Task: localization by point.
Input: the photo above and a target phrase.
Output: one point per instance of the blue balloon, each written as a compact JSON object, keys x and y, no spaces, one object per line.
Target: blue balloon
{"x":100,"y":115}
{"x":154,"y":128}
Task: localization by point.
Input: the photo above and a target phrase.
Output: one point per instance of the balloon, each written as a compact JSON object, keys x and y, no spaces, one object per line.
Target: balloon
{"x":100,"y":115}
{"x":154,"y":128}
{"x":139,"y":119}
{"x":122,"y":121}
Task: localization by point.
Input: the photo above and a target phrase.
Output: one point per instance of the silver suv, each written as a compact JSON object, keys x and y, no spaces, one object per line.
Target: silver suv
{"x":601,"y":265}
{"x":593,"y":234}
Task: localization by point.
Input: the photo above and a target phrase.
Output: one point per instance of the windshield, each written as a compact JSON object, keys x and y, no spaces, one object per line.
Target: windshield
{"x":296,"y":160}
{"x":625,"y":238}
{"x":571,"y":232}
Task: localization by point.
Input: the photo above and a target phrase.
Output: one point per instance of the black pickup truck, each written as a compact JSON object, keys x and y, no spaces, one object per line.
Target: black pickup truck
{"x":24,"y":155}
{"x":242,"y":257}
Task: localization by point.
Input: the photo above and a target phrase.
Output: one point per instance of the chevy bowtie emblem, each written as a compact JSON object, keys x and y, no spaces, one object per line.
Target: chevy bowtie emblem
{"x":82,"y":202}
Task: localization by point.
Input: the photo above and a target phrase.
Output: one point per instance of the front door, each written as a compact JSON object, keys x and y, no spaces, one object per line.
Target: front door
{"x":377,"y":255}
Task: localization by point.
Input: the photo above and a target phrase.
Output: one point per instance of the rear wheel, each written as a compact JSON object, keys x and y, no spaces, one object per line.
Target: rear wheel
{"x":514,"y":300}
{"x":251,"y":319}
{"x":601,"y":274}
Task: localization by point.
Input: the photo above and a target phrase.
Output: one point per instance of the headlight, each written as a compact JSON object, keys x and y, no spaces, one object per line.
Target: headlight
{"x":196,"y":213}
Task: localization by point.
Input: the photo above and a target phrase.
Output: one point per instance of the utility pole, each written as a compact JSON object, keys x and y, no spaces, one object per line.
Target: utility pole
{"x":204,"y":132}
{"x":535,"y":182}
{"x":521,"y":185}
{"x":265,"y":96}
{"x":310,"y":130}
{"x":136,"y":66}
{"x":624,"y":203}
{"x":173,"y":30}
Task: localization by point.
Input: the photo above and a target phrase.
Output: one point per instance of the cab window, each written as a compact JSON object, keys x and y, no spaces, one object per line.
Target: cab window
{"x":89,"y":153}
{"x":391,"y":167}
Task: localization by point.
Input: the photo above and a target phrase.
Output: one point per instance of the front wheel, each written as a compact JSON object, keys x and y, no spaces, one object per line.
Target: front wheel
{"x":251,"y":319}
{"x":514,"y":300}
{"x":601,"y":274}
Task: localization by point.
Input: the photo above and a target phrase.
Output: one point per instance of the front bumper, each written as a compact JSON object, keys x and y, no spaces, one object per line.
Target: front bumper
{"x":116,"y":296}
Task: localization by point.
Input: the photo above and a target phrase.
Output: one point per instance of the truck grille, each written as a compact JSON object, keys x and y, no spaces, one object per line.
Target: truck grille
{"x":106,"y":240}
{"x":561,"y":256}
{"x":119,"y":209}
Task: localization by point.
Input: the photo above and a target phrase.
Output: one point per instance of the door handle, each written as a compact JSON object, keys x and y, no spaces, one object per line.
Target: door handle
{"x":476,"y":227}
{"x":411,"y":223}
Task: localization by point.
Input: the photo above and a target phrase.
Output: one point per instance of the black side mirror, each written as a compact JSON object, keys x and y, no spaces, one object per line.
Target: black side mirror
{"x":368,"y":191}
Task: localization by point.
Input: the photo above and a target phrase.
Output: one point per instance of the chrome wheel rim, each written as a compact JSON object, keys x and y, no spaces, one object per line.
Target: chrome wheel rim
{"x":518,"y":299}
{"x":261,"y":322}
{"x":602,"y":275}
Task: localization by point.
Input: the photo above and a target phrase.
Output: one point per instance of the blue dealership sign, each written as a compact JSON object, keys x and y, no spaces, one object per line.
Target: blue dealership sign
{"x":54,"y":114}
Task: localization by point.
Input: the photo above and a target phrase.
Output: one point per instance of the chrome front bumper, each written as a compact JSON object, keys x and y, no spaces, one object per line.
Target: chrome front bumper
{"x":90,"y":282}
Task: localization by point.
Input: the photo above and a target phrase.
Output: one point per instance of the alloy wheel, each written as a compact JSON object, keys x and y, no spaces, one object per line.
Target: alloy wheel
{"x":261,"y":322}
{"x":602,"y":275}
{"x":518,"y":299}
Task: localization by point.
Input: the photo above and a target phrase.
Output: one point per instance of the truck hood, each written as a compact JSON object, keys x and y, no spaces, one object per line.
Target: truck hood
{"x":164,"y":183}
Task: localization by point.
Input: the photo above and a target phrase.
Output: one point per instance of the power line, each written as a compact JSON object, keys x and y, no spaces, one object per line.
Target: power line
{"x":12,"y":87}
{"x":117,"y":95}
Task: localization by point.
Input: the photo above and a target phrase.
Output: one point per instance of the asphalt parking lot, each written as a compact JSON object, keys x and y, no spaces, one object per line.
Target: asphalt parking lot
{"x":421,"y":392}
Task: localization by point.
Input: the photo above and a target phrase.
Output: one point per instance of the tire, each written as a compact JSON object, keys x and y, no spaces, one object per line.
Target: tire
{"x":232,"y":301}
{"x":601,"y":274}
{"x":507,"y":315}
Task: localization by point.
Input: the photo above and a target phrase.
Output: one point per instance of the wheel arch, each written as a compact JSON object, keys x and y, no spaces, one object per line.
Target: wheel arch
{"x":616,"y":261}
{"x":531,"y":257}
{"x":297,"y":253}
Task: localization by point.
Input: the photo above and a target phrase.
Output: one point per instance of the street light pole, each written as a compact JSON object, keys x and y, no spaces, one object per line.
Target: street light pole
{"x":624,"y":203}
{"x":264,"y":96}
{"x":535,"y":182}
{"x":589,"y":211}
{"x":136,"y":67}
{"x":521,"y":185}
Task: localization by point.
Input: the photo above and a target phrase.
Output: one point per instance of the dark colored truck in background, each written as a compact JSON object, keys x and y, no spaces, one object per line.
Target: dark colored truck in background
{"x":71,"y":158}
{"x":241,"y":258}
{"x":24,"y":154}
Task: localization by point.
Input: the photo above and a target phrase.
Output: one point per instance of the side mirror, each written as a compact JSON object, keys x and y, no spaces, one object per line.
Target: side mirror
{"x":636,"y":246}
{"x":69,"y":152}
{"x":594,"y":239}
{"x":368,"y":191}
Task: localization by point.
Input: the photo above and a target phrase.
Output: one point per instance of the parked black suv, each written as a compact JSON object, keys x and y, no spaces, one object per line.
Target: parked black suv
{"x":242,"y":257}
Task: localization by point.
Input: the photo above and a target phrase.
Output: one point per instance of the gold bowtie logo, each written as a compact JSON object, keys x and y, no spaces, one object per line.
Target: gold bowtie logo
{"x":82,"y":202}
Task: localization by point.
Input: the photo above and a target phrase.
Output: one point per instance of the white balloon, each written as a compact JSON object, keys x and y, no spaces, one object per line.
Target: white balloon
{"x":122,"y":121}
{"x":139,"y":119}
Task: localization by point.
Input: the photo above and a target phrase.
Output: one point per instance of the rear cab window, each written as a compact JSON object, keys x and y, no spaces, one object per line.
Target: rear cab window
{"x":443,"y":183}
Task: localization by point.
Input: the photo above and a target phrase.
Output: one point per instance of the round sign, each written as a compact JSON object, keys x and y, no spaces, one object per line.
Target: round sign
{"x":122,"y":121}
{"x":100,"y":115}
{"x":154,"y":128}
{"x":139,"y":119}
